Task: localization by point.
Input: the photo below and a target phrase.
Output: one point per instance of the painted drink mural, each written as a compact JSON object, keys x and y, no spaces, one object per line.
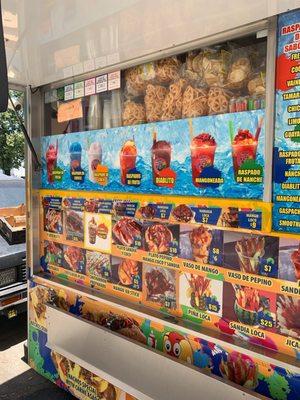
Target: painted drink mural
{"x":212,"y":156}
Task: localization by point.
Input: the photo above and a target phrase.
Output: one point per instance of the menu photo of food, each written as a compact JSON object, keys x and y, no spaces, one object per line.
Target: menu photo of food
{"x":251,"y":254}
{"x":289,"y":259}
{"x":249,"y":306}
{"x":53,"y":253}
{"x":182,"y":213}
{"x":229,"y":217}
{"x":201,"y":294}
{"x":127,"y":231}
{"x":98,"y":265}
{"x":53,"y":215}
{"x":161,"y":238}
{"x":126,"y":272}
{"x":97,"y":232}
{"x":74,"y":225}
{"x":288,"y":311}
{"x":160,"y":287}
{"x":74,"y":259}
{"x":201,"y":244}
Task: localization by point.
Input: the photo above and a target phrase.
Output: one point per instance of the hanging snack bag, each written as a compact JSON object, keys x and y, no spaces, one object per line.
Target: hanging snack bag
{"x":133,"y":113}
{"x":154,"y":99}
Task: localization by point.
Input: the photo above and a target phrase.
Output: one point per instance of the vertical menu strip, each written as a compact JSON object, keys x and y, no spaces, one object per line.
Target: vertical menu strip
{"x":286,"y":170}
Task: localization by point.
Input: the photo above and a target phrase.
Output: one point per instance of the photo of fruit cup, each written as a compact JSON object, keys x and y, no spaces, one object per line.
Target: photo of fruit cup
{"x":75,"y":158}
{"x":161,"y":157}
{"x":203,"y":148}
{"x":200,"y":239}
{"x":295,"y":257}
{"x":247,"y":305}
{"x":51,"y":160}
{"x":249,"y":251}
{"x":244,"y":147}
{"x":95,"y":159}
{"x":128,"y":155}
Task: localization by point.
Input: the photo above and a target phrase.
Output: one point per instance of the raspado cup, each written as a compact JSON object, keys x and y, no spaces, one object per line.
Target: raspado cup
{"x":244,"y":147}
{"x":203,"y":148}
{"x":128,"y":156}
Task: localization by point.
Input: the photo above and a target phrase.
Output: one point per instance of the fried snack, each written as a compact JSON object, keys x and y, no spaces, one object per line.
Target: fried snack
{"x":154,"y":98}
{"x":214,"y":69}
{"x":172,"y":105}
{"x":135,"y":82}
{"x":127,"y":270}
{"x":158,"y":238}
{"x":182,"y":213}
{"x":288,"y":311}
{"x":133,"y":113}
{"x":257,"y":85}
{"x":194,"y":66}
{"x":194,"y":102}
{"x":200,"y":239}
{"x":239,"y":73}
{"x":218,"y":101}
{"x":249,"y":252}
{"x":167,"y":70}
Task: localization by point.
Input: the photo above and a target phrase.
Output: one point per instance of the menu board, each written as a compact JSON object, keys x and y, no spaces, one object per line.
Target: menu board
{"x":286,"y":171}
{"x":237,"y":282}
{"x":210,"y":156}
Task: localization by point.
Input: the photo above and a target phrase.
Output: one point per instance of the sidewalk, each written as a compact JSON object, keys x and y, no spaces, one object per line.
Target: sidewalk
{"x":17,"y":380}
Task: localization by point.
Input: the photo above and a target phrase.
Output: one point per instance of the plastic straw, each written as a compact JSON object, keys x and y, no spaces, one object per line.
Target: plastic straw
{"x":258,"y":130}
{"x":191,"y":129}
{"x":231,"y":130}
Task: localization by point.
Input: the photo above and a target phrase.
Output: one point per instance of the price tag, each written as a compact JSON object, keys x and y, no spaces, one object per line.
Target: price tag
{"x":69,"y":92}
{"x":250,"y":220}
{"x":101,"y":83}
{"x":90,"y":86}
{"x":78,"y":90}
{"x":206,"y":215}
{"x":114,"y":80}
{"x":163,"y":211}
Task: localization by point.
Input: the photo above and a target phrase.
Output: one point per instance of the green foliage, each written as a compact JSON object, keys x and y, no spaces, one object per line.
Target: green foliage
{"x":11,"y":138}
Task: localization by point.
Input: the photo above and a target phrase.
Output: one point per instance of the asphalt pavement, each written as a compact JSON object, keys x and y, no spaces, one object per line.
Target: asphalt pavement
{"x":17,"y":380}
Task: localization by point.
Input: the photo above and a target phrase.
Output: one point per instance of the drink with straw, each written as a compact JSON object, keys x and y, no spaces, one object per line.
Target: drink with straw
{"x":203,"y":148}
{"x":244,"y":146}
{"x":51,"y":160}
{"x":95,"y":159}
{"x":128,"y":156}
{"x":161,"y":157}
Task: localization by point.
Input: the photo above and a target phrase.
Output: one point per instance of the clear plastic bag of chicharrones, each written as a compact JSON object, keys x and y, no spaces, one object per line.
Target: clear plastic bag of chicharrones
{"x":160,"y":72}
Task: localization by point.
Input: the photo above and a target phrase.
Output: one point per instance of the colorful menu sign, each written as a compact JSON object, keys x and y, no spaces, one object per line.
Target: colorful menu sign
{"x":286,"y":170}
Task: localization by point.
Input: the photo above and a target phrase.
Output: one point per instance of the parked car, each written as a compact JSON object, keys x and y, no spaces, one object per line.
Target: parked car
{"x":13,"y":270}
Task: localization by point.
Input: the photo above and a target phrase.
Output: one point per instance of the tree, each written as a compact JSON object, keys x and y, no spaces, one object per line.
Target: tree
{"x":11,"y":138}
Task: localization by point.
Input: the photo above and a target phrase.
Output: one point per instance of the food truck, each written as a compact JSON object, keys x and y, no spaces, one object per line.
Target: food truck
{"x":164,"y":222}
